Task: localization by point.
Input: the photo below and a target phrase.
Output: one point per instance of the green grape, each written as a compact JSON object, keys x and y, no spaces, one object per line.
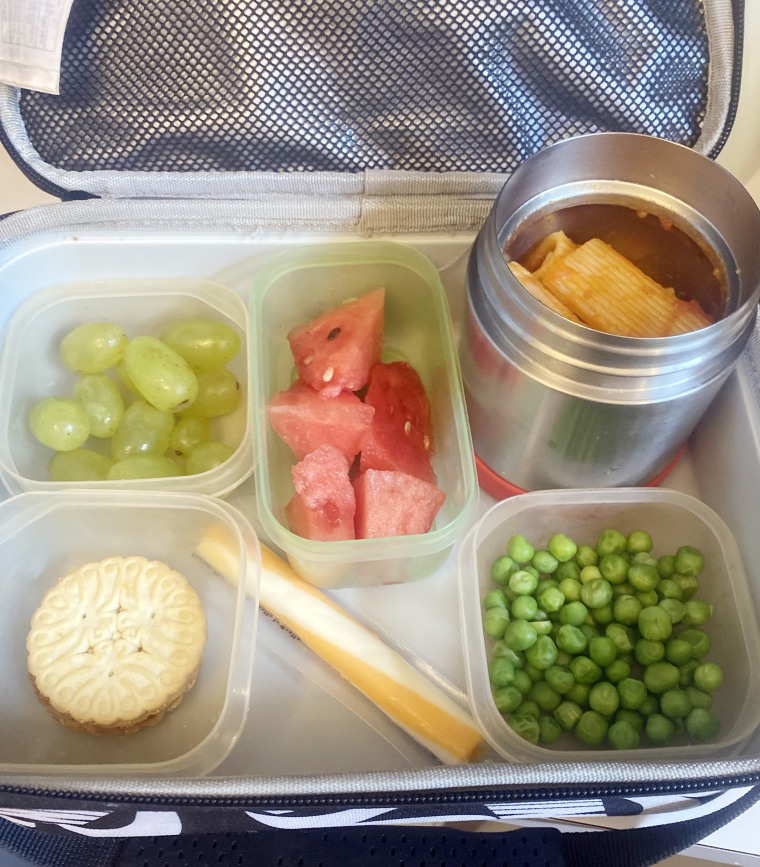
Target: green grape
{"x":206,"y":457}
{"x":59,"y":423}
{"x":100,"y":398}
{"x":79,"y":465}
{"x":93,"y":347}
{"x":161,"y":376}
{"x":143,"y":430}
{"x":189,"y":432}
{"x":203,"y":343}
{"x":121,"y":372}
{"x":145,"y":467}
{"x":218,"y":393}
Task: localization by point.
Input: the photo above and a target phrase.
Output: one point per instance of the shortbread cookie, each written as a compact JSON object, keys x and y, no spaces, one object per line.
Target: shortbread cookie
{"x":116,"y":644}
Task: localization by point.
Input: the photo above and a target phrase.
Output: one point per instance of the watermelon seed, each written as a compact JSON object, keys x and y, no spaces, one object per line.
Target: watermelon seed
{"x":334,"y":333}
{"x":308,"y":359}
{"x":407,"y":426}
{"x":328,"y":374}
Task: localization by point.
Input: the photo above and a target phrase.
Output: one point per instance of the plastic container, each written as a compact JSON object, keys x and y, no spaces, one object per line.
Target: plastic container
{"x":293,"y":288}
{"x":42,"y":536}
{"x":31,"y":369}
{"x":673,"y":519}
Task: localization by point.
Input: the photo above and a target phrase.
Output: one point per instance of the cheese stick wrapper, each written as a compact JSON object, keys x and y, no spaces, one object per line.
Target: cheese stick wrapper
{"x":402,"y":692}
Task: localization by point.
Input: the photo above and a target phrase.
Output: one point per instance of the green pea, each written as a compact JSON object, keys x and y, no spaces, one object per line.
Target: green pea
{"x":688,"y":560}
{"x":585,"y":670}
{"x":678,"y":651}
{"x":571,"y":589}
{"x":567,"y":715}
{"x":551,"y":599}
{"x":522,"y":682}
{"x":526,"y":727}
{"x":520,"y":549}
{"x":569,"y":569}
{"x":655,"y":624}
{"x":644,"y":557}
{"x":545,"y":697}
{"x":562,"y":547}
{"x":708,"y":676}
{"x":528,"y":708}
{"x":665,"y":566}
{"x":623,"y":736}
{"x":579,"y":694}
{"x":573,"y":613}
{"x":623,"y":636}
{"x":626,"y":610}
{"x":507,"y":699}
{"x":686,"y":672}
{"x":647,"y":652}
{"x":604,"y":698}
{"x":699,"y":640}
{"x":524,"y":608}
{"x":523,"y":582}
{"x":571,"y":639}
{"x":698,"y":698}
{"x":617,"y":671}
{"x":614,"y":568}
{"x":501,"y":671}
{"x":590,"y":573}
{"x":602,"y":650}
{"x":542,"y":654}
{"x":559,"y":678}
{"x":659,"y":729}
{"x":632,"y":717}
{"x":611,"y":542}
{"x":624,"y":589}
{"x":589,"y":631}
{"x":542,"y":627}
{"x":696,"y":612}
{"x":674,"y":608}
{"x":702,"y":724}
{"x":675,"y":703}
{"x":639,"y":541}
{"x":603,"y":615}
{"x":533,"y":673}
{"x":586,"y":556}
{"x":660,"y":677}
{"x":648,"y":598}
{"x":643,"y":576}
{"x":549,"y":730}
{"x":501,"y":568}
{"x":689,"y":585}
{"x":495,"y":599}
{"x":495,"y":622}
{"x":591,"y":728}
{"x":519,"y":634}
{"x":651,"y":705}
{"x":544,"y":561}
{"x":596,"y":593}
{"x":632,"y":693}
{"x":668,"y":588}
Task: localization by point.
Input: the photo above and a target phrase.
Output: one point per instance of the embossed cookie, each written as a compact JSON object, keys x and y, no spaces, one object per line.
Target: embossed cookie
{"x":116,"y":644}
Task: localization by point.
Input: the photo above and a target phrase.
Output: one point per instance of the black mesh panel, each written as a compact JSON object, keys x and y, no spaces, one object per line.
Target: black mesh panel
{"x":313,"y":85}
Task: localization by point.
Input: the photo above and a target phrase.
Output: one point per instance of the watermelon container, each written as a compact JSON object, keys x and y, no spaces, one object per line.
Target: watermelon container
{"x":293,"y":288}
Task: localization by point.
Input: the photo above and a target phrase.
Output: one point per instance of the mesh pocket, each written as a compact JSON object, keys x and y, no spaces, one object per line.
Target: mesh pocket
{"x":326,"y":85}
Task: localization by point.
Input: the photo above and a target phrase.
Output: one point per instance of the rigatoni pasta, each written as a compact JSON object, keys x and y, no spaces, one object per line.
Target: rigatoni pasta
{"x":593,"y":284}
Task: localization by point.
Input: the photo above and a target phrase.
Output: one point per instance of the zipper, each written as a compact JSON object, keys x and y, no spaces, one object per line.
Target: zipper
{"x":400,"y":799}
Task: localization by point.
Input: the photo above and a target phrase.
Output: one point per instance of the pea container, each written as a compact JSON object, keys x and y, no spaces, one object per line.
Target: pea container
{"x":31,"y":369}
{"x":296,"y":286}
{"x":555,"y":404}
{"x":44,"y":535}
{"x":673,"y":519}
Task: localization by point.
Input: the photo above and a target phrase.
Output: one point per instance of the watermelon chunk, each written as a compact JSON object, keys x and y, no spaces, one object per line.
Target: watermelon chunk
{"x":324,"y":503}
{"x":401,"y":434}
{"x":336,"y":350}
{"x":306,"y":420}
{"x":390,"y":503}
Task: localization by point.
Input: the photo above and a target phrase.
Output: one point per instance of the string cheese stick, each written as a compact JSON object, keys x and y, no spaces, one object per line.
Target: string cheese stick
{"x":412,"y":701}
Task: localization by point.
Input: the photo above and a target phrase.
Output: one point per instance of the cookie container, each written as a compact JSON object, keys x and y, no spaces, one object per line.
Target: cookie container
{"x":292,"y":289}
{"x":45,"y":535}
{"x":31,"y":369}
{"x":672,"y":518}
